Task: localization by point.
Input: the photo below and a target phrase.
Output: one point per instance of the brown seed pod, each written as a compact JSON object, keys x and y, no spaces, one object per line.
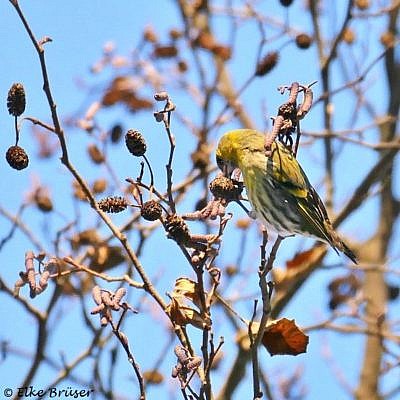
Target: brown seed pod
{"x":135,"y":143}
{"x":166,"y":51}
{"x":267,"y":63}
{"x":303,"y":41}
{"x":149,"y":35}
{"x":177,"y":229}
{"x":222,"y":187}
{"x":151,"y":210}
{"x":182,"y":66}
{"x":96,"y":155}
{"x":388,"y":39}
{"x":113,"y":204}
{"x":362,"y":4}
{"x":116,"y":133}
{"x":99,"y":186}
{"x":348,"y":36}
{"x":43,"y":202}
{"x":175,"y":34}
{"x":17,"y":157}
{"x":16,"y":99}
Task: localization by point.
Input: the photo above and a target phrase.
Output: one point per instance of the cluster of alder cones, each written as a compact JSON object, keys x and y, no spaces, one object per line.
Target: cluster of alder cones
{"x":16,"y":156}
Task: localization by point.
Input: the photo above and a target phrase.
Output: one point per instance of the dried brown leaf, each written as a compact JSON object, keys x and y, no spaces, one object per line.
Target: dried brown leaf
{"x":187,"y":288}
{"x":284,"y":337}
{"x":153,"y":377}
{"x":300,"y":259}
{"x":181,"y":314}
{"x":104,"y":257}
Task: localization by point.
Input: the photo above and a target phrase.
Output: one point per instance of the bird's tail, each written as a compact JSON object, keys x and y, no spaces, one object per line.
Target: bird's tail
{"x":349,"y":253}
{"x":338,"y":244}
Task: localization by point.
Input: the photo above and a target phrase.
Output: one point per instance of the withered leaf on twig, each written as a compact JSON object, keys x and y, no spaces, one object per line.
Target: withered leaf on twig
{"x":301,"y":258}
{"x":187,"y":288}
{"x":295,"y":268}
{"x":281,"y":336}
{"x":179,"y":311}
{"x":182,"y":314}
{"x":284,"y":337}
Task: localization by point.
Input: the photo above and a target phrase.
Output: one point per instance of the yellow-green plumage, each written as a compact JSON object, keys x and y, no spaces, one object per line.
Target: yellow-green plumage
{"x":277,"y":187}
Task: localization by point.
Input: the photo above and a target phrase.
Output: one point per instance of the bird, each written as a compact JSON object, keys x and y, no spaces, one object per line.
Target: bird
{"x":277,"y":187}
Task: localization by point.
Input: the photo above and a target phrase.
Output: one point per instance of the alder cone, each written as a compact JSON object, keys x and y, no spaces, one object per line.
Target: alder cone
{"x":16,"y":99}
{"x":17,"y":157}
{"x":135,"y":143}
{"x":151,"y":210}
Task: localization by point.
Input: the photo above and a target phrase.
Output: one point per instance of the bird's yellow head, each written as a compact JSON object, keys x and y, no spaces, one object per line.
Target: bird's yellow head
{"x":234,"y":145}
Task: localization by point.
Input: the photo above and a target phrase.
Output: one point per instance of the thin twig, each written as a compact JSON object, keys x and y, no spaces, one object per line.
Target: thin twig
{"x":266,"y":293}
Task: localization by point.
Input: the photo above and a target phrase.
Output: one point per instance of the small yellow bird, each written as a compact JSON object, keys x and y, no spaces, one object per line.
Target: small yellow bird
{"x":277,"y":187}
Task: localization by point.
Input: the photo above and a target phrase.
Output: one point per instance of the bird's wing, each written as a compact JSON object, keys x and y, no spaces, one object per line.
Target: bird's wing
{"x":286,"y":171}
{"x":288,"y":176}
{"x":314,"y":213}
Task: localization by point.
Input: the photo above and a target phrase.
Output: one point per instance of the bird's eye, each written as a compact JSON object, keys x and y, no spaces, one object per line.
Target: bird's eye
{"x":220,"y":162}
